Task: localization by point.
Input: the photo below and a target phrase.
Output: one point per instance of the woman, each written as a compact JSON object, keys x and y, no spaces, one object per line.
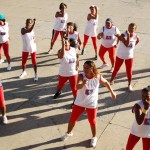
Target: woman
{"x":72,"y":33}
{"x":128,"y":41}
{"x":4,"y":38}
{"x":60,"y":23}
{"x":68,"y":67}
{"x":109,"y":35}
{"x":91,"y":29}
{"x":2,"y":105}
{"x":29,"y":47}
{"x":141,"y":124}
{"x":87,"y":98}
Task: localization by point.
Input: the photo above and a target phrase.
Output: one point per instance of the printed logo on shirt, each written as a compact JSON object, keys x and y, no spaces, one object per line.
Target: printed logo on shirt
{"x":95,"y":23}
{"x":62,"y":21}
{"x":131,"y":45}
{"x":147,"y":121}
{"x":71,"y":60}
{"x":88,"y":91}
{"x":108,"y":37}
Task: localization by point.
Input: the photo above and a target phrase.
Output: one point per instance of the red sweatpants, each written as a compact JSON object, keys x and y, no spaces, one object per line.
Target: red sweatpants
{"x":6,"y":49}
{"x":78,"y":110}
{"x":73,"y":82}
{"x":118,"y":64}
{"x":111,"y":52}
{"x":2,"y":100}
{"x":55,"y":35}
{"x":94,"y":40}
{"x":132,"y":141}
{"x":25,"y":57}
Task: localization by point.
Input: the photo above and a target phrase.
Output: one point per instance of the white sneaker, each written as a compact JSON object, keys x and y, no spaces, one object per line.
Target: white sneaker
{"x":23,"y":75}
{"x":130,"y":88}
{"x":36,"y":78}
{"x":66,"y":136}
{"x":1,"y":61}
{"x":93,"y":142}
{"x":9,"y":67}
{"x":5,"y":120}
{"x":111,"y":70}
{"x":103,"y":65}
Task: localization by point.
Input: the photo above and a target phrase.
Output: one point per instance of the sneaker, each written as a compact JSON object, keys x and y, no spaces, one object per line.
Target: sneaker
{"x":93,"y":142}
{"x":130,"y":88}
{"x":95,"y":57}
{"x":36,"y":78}
{"x":66,"y":136}
{"x":5,"y":120}
{"x":1,"y":61}
{"x":9,"y":67}
{"x":56,"y":94}
{"x":103,"y":65}
{"x":23,"y":75}
{"x":82,"y":52}
{"x":111,"y":70}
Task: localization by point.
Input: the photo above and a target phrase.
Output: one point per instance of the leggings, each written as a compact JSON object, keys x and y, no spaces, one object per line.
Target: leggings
{"x":78,"y":110}
{"x":55,"y":35}
{"x":94,"y":40}
{"x":2,"y":100}
{"x":73,"y":83}
{"x":132,"y":141}
{"x":6,"y":49}
{"x":111,"y":52}
{"x":118,"y":64}
{"x":25,"y":57}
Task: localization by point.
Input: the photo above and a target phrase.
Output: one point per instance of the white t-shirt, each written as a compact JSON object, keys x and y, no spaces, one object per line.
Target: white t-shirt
{"x":109,"y":39}
{"x":68,"y":63}
{"x":142,"y":130}
{"x":60,"y":22}
{"x":91,"y":27}
{"x":4,"y":33}
{"x":28,"y":40}
{"x":124,"y":52}
{"x":88,"y":96}
{"x":74,"y":36}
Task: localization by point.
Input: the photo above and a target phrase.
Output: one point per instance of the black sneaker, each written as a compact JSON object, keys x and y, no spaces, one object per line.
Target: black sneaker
{"x":56,"y":95}
{"x":82,"y":52}
{"x":95,"y":57}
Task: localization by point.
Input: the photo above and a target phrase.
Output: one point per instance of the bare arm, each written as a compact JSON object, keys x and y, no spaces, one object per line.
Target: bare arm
{"x":125,"y":41}
{"x":137,"y":40}
{"x":61,"y":52}
{"x":100,"y":35}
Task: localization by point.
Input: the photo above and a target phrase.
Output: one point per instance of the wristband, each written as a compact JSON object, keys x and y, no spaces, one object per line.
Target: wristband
{"x":144,"y":111}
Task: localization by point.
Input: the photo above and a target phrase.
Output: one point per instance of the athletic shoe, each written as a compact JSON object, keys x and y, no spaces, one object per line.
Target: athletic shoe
{"x":56,"y":95}
{"x":1,"y":61}
{"x":9,"y":67}
{"x":66,"y":136}
{"x":4,"y":120}
{"x":23,"y":75}
{"x":93,"y":142}
{"x":95,"y":57}
{"x":130,"y":88}
{"x":36,"y":77}
{"x":111,"y":70}
{"x":103,"y":65}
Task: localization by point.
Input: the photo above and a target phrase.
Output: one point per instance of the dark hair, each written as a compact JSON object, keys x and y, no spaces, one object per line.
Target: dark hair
{"x":146,"y":90}
{"x":92,"y":64}
{"x":3,"y":20}
{"x":72,"y":24}
{"x":72,"y":42}
{"x":62,"y":5}
{"x":28,"y":20}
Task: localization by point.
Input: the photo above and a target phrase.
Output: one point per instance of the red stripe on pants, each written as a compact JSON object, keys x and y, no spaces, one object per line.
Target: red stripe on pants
{"x":94,"y":40}
{"x":6,"y":49}
{"x":133,"y":140}
{"x":73,"y":82}
{"x":2,"y":100}
{"x":118,"y":64}
{"x":25,"y":57}
{"x":78,"y":110}
{"x":55,"y":35}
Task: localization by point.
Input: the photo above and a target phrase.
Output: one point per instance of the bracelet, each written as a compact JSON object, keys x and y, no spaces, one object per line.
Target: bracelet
{"x":144,"y":111}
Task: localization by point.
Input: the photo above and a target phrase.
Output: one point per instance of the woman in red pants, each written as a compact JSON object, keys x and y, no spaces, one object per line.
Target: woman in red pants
{"x":128,"y":41}
{"x":141,"y":124}
{"x":109,"y":35}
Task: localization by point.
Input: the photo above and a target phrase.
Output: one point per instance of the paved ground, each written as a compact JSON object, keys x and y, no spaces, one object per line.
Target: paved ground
{"x":36,"y":121}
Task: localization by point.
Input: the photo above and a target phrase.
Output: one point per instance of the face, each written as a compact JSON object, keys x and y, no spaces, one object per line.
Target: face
{"x":132,"y":29}
{"x":29,"y":24}
{"x":70,"y":28}
{"x":108,"y":25}
{"x":146,"y":96}
{"x":92,"y":10}
{"x":87,"y":69}
{"x":1,"y":22}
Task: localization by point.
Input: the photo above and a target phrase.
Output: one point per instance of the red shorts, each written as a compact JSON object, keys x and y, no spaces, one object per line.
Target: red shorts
{"x":2,"y":100}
